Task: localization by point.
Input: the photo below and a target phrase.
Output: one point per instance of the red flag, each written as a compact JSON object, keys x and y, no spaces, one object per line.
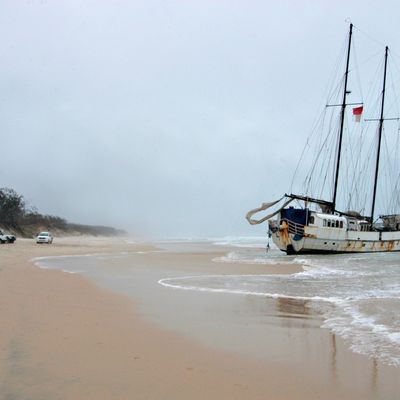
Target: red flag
{"x":357,"y":111}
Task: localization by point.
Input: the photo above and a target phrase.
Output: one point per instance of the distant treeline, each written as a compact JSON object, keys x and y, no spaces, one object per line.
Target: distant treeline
{"x":17,"y":218}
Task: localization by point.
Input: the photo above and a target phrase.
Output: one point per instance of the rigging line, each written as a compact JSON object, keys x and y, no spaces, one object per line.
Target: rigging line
{"x":391,"y":163}
{"x":355,"y":178}
{"x":396,"y":196}
{"x":394,"y":52}
{"x":334,"y":144}
{"x":319,"y":145}
{"x":379,"y":139}
{"x":307,"y":145}
{"x":375,"y":78}
{"x":374,"y":109}
{"x":317,"y":128}
{"x":389,"y":189}
{"x":323,"y":104}
{"x":391,"y":157}
{"x":322,"y":149}
{"x":357,"y":70}
{"x":359,"y":146}
{"x":335,"y":70}
{"x":374,"y":88}
{"x":319,"y":163}
{"x":369,"y":36}
{"x":352,"y":162}
{"x":389,"y":93}
{"x":366,"y":174}
{"x":298,"y":165}
{"x":393,"y":62}
{"x":394,"y":103}
{"x":357,"y":170}
{"x":320,"y":117}
{"x":370,"y":58}
{"x":344,"y":170}
{"x":386,"y":167}
{"x":337,"y":89}
{"x":335,"y":93}
{"x":328,"y":165}
{"x":394,"y":202}
{"x":396,"y":156}
{"x":351,"y":133}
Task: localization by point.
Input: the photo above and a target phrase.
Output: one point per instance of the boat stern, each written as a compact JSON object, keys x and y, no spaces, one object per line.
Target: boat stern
{"x":287,"y":235}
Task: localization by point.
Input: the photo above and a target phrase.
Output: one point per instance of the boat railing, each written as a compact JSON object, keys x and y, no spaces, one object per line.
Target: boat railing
{"x":294,"y":228}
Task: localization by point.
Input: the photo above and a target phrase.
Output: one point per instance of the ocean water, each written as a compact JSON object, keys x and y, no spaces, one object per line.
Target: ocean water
{"x":357,"y":295}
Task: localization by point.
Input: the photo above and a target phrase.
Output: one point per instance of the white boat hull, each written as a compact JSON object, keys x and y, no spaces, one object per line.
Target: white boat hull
{"x":331,"y":240}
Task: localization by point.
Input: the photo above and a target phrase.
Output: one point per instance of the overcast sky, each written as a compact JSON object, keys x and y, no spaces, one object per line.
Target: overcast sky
{"x":166,"y":118}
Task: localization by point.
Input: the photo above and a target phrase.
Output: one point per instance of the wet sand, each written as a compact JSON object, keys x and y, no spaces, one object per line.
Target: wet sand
{"x":62,"y":336}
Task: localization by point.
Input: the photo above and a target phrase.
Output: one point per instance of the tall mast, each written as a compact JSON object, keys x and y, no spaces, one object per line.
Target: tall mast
{"x":342,"y":115}
{"x":381,"y":119}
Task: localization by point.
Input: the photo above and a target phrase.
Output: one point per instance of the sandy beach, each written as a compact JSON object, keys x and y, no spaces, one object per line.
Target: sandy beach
{"x":65,"y":336}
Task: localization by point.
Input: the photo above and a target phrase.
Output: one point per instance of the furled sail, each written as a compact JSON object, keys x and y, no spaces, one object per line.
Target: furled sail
{"x":265,"y":206}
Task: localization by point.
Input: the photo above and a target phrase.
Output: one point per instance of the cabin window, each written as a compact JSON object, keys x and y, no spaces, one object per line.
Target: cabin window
{"x":337,"y":224}
{"x":341,"y":224}
{"x":312,"y":219}
{"x":324,"y":222}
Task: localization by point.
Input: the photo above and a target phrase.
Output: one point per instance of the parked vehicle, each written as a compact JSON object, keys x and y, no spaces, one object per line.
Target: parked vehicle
{"x":44,"y":237}
{"x":7,"y":237}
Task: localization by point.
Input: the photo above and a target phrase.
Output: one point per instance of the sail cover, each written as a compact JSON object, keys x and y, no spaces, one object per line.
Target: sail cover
{"x":265,"y":206}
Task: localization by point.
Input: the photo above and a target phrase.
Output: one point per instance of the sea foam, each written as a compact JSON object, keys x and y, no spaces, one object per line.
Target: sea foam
{"x":363,"y":291}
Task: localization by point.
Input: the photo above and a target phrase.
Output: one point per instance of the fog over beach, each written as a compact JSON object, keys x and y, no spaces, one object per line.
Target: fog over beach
{"x":166,"y":118}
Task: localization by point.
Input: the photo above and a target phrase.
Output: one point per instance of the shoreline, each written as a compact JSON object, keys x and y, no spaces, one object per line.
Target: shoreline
{"x":63,"y":336}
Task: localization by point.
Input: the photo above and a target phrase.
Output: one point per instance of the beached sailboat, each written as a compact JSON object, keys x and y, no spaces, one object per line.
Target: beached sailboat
{"x":317,"y":225}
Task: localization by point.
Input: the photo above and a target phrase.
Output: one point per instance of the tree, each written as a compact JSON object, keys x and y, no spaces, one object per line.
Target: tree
{"x":12,"y":207}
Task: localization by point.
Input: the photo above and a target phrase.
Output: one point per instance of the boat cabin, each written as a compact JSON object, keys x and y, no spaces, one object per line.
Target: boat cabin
{"x":320,"y":220}
{"x":306,"y":217}
{"x":358,"y":225}
{"x":340,"y":222}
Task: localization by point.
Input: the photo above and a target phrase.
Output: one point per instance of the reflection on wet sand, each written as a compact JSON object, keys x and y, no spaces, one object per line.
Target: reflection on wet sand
{"x":293,"y":308}
{"x":333,"y":360}
{"x":298,"y":309}
{"x":374,"y":375}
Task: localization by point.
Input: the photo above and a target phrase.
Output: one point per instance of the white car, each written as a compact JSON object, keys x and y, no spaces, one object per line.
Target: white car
{"x":3,"y":238}
{"x":7,"y":238}
{"x":44,"y":237}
